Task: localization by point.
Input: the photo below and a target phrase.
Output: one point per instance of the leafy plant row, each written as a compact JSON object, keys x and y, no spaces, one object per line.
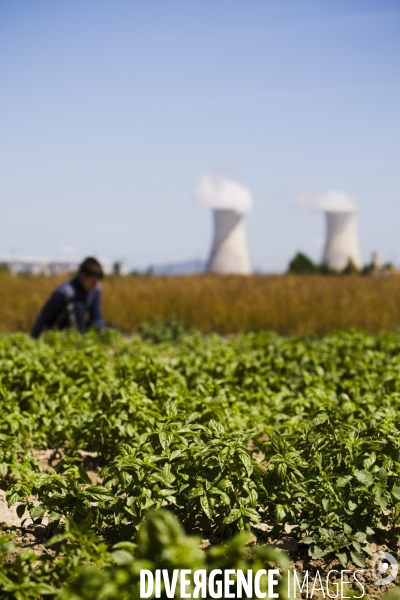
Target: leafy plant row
{"x":78,"y":565}
{"x":226,"y":433}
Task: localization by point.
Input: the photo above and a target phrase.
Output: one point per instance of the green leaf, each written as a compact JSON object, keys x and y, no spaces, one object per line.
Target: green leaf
{"x":250,"y":512}
{"x":364,"y":477}
{"x":205,"y":505}
{"x":246,"y":460}
{"x":225,"y":483}
{"x":165,"y":439}
{"x":84,"y":476}
{"x":358,"y":558}
{"x":38,"y":512}
{"x":13,"y":498}
{"x":319,"y":420}
{"x":122,"y":557}
{"x":98,"y":493}
{"x":342,"y":556}
{"x":281,"y":471}
{"x":195,"y":492}
{"x":176,"y":454}
{"x":44,"y":589}
{"x":360,"y":536}
{"x":343,"y":481}
{"x":166,"y":492}
{"x":381,"y":502}
{"x":55,"y":516}
{"x":278,"y":443}
{"x":217,"y":427}
{"x":128,"y":546}
{"x":21,"y":510}
{"x":171,"y":500}
{"x":368,"y":550}
{"x":234,"y":515}
{"x":369,"y":531}
{"x":326,"y":504}
{"x":307,"y":540}
{"x":382,"y":476}
{"x":369,"y":461}
{"x":225,"y":498}
{"x":280,"y":512}
{"x":317,"y":552}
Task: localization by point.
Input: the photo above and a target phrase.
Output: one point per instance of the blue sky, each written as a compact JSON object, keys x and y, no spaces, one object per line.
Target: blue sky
{"x":111,"y":110}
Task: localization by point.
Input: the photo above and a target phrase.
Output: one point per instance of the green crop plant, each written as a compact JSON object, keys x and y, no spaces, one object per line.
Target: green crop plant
{"x":225,"y":433}
{"x":80,"y":566}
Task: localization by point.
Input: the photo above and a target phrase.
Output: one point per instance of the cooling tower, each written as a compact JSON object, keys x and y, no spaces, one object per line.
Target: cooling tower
{"x":341,"y":240}
{"x":229,"y":250}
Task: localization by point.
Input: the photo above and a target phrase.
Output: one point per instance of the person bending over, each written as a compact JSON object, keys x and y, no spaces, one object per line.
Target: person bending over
{"x":75,"y":303}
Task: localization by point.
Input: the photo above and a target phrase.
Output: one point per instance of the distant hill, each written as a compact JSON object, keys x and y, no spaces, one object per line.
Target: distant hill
{"x":182,"y":268}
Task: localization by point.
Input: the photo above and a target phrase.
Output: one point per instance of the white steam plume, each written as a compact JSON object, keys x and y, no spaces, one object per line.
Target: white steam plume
{"x":333,"y":201}
{"x":222,"y":193}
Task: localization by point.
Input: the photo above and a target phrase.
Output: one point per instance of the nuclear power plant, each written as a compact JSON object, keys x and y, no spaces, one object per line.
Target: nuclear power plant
{"x":341,"y":245}
{"x":229,"y":250}
{"x":341,"y":213}
{"x":229,"y":201}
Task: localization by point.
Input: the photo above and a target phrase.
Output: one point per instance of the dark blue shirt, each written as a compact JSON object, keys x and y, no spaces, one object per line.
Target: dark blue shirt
{"x":85,"y":307}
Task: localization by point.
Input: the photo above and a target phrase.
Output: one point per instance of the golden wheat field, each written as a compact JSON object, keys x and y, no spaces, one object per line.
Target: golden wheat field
{"x":290,"y":304}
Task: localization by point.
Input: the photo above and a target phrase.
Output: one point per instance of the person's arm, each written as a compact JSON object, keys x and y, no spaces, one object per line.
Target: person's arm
{"x":48,"y":313}
{"x":96,"y":318}
{"x":79,"y":314}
